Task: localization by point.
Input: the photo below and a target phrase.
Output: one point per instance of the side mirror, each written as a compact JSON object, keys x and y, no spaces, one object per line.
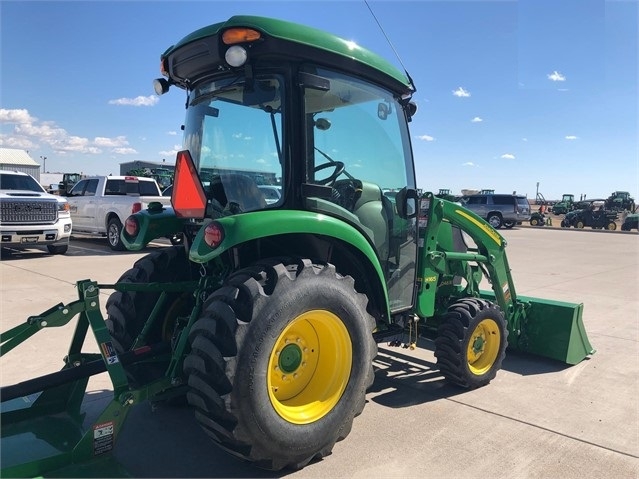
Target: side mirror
{"x":406,"y":203}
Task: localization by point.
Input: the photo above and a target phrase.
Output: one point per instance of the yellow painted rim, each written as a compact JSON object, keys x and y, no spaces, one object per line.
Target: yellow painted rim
{"x":309,"y":367}
{"x":483,"y":347}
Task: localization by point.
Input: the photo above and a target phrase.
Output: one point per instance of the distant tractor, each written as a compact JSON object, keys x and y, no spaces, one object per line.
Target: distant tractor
{"x":621,"y":201}
{"x":565,"y":205}
{"x":68,"y":181}
{"x":445,"y":194}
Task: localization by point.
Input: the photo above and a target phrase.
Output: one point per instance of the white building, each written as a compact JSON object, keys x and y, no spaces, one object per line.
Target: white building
{"x":19,"y":160}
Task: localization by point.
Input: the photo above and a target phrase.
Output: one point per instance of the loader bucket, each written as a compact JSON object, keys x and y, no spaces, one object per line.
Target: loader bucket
{"x":549,"y":328}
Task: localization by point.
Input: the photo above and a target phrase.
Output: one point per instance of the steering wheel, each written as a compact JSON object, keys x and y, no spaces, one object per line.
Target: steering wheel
{"x":339,"y":169}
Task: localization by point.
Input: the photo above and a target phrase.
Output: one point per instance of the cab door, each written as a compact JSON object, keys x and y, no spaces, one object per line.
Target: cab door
{"x":83,"y":203}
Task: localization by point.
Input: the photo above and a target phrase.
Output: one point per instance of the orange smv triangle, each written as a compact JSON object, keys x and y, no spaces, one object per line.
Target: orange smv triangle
{"x":188,"y":198}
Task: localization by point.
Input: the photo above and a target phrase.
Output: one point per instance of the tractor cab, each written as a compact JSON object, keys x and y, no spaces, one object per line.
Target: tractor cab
{"x":259,"y":117}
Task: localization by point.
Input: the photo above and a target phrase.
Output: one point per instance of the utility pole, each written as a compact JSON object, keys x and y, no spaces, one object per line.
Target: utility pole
{"x":44,"y":163}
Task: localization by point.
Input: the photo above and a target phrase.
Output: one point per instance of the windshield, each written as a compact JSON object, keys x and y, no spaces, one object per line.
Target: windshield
{"x":19,"y":182}
{"x":234,"y":134}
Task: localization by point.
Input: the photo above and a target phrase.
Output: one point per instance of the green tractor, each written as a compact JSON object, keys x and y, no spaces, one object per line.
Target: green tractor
{"x":267,"y":317}
{"x":620,"y":201}
{"x":445,"y":194}
{"x":566,"y":204}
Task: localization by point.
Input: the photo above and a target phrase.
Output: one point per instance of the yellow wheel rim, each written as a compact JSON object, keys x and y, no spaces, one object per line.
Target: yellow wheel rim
{"x":309,"y":367}
{"x":483,"y":347}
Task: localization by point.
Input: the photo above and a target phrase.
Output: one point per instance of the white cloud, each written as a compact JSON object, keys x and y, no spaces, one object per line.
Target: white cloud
{"x":556,"y":76}
{"x":571,"y":137}
{"x":477,"y":119}
{"x":425,"y":138}
{"x":508,"y":156}
{"x":118,"y":141}
{"x":461,"y":93}
{"x":524,"y":139}
{"x":124,"y":151}
{"x":137,"y":101}
{"x":29,"y":133}
{"x":171,"y":133}
{"x":469,"y":163}
{"x":16,"y":116}
{"x":173,"y":152}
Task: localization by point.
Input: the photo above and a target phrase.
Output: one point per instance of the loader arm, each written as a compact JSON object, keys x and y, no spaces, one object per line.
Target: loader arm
{"x":549,"y":328}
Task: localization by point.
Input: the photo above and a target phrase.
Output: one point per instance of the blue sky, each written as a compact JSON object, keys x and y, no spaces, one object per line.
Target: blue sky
{"x":510,"y":93}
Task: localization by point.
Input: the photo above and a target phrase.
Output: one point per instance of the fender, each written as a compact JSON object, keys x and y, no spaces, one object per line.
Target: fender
{"x":250,"y":226}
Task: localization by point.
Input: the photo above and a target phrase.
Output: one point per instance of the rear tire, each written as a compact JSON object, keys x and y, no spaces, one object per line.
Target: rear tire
{"x":471,"y":342}
{"x":280,"y":362}
{"x":114,"y":228}
{"x":495,"y":220}
{"x":534,"y":222}
{"x":611,"y":226}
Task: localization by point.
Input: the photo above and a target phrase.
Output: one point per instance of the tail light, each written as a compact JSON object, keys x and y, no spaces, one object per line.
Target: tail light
{"x":131,"y":226}
{"x":213,"y":234}
{"x":136,"y":207}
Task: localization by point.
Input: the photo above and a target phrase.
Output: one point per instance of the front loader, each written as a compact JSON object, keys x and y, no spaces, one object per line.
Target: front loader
{"x":266,"y":318}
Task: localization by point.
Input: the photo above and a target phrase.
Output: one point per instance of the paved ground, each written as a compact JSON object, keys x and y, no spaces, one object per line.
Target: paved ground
{"x":537,"y":419}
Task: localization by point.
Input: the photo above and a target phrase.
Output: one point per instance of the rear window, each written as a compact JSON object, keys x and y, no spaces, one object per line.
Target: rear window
{"x":136,"y":188}
{"x":503,"y":200}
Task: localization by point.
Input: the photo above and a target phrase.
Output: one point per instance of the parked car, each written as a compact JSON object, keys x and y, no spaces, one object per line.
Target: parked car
{"x":101,"y":204}
{"x":499,"y":209}
{"x":30,"y":216}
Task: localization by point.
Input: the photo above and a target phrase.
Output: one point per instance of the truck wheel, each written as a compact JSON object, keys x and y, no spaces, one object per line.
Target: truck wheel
{"x":611,"y":226}
{"x":579,"y":224}
{"x":509,"y":224}
{"x":114,"y":228}
{"x":495,"y":220}
{"x":471,"y":342}
{"x":280,"y":362}
{"x":57,"y":249}
{"x":128,"y":311}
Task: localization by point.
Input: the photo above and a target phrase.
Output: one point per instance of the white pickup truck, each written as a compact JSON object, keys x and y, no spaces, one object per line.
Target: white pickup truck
{"x":29,"y":216}
{"x":101,"y":204}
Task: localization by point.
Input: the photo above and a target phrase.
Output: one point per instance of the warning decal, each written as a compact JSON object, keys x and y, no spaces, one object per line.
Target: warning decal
{"x":108,"y":351}
{"x":103,"y":438}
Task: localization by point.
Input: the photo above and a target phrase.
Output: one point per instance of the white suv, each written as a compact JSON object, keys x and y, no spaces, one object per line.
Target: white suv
{"x":29,"y":216}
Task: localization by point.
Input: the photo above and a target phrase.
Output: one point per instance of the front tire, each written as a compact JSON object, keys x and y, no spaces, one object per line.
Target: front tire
{"x":280,"y":363}
{"x":579,"y":224}
{"x":471,"y":342}
{"x":57,"y":249}
{"x":509,"y":224}
{"x":611,"y":226}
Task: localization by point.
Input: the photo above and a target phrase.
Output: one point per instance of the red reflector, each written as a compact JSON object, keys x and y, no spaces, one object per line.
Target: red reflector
{"x":136,"y":207}
{"x":213,"y":235}
{"x":188,"y":198}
